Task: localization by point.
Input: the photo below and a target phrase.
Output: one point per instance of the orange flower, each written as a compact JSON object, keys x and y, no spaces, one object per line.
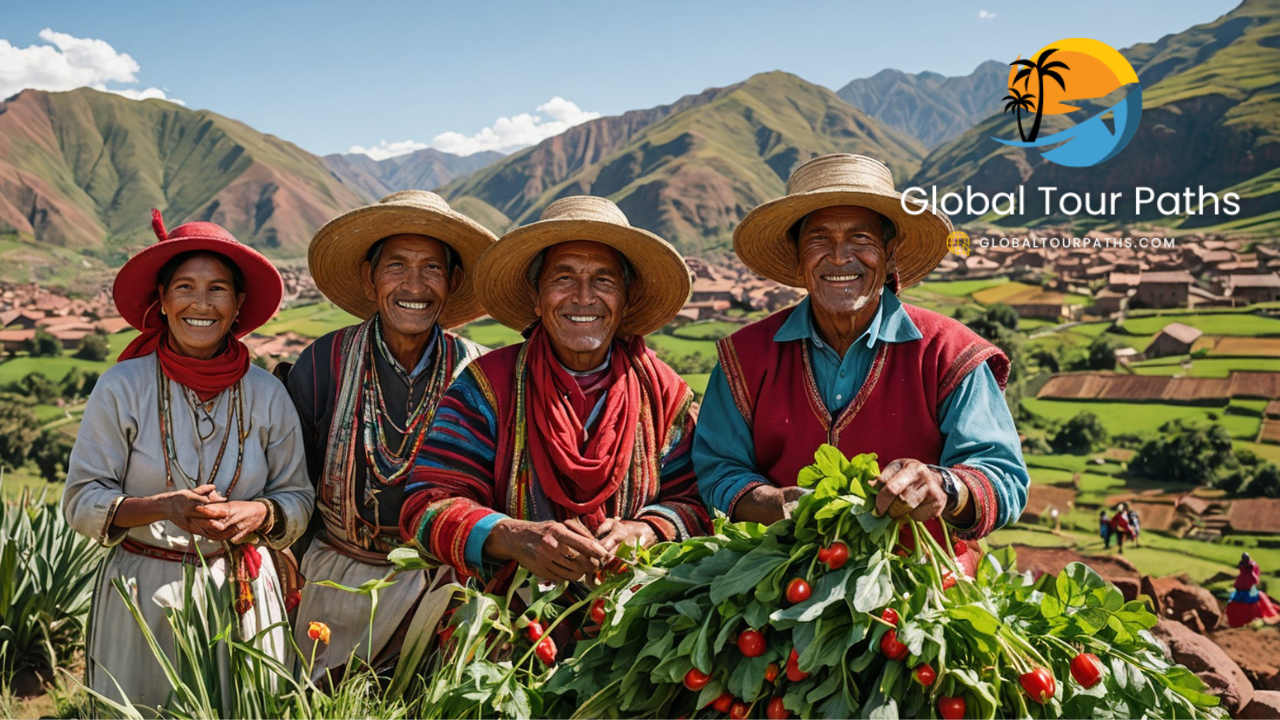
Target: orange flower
{"x":318,"y":631}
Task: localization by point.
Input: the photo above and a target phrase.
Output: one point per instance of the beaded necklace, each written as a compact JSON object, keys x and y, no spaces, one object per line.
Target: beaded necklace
{"x":235,"y":408}
{"x":389,"y":466}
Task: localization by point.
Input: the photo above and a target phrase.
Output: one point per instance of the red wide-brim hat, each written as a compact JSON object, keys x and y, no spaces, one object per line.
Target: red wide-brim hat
{"x":135,"y":292}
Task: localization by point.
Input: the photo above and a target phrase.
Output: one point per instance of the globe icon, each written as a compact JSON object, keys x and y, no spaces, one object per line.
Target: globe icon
{"x":958,"y":243}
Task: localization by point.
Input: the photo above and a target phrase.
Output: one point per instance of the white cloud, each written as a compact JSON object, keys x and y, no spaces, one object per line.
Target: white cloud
{"x":67,"y":63}
{"x":984,"y":15}
{"x":384,"y":149}
{"x":506,"y":134}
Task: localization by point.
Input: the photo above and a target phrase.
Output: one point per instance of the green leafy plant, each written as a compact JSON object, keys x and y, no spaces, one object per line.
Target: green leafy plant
{"x":46,"y":578}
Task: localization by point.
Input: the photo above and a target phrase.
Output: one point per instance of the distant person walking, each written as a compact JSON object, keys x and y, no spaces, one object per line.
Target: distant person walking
{"x":1247,"y":604}
{"x":1104,"y":528}
{"x":1134,"y":526}
{"x":1120,"y":527}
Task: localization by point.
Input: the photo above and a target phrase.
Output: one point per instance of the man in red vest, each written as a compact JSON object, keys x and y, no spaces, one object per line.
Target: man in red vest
{"x":854,"y":367}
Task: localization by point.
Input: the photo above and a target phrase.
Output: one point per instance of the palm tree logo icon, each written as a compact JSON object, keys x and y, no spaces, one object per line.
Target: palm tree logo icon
{"x":1069,"y":73}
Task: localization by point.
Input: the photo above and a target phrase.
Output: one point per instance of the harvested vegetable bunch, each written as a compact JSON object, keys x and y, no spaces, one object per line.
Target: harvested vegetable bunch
{"x":995,"y":645}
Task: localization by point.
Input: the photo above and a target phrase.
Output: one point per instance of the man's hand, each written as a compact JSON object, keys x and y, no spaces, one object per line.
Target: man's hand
{"x":765,"y":503}
{"x":231,"y":520}
{"x":181,"y":505}
{"x":613,"y":534}
{"x":553,"y":551}
{"x":910,"y":487}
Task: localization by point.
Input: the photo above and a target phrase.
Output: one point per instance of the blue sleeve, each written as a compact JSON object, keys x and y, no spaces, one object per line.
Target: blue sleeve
{"x":979,"y":433}
{"x":723,"y":450}
{"x":474,"y":550}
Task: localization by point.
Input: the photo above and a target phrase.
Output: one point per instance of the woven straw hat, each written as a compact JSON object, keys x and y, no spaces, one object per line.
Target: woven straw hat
{"x":338,"y":251}
{"x":661,"y":286}
{"x":764,"y":243}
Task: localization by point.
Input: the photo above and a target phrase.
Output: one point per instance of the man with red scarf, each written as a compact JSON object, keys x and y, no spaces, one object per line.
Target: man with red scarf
{"x":554,"y":453}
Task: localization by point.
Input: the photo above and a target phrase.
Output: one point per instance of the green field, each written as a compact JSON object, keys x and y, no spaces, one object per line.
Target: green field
{"x":959,"y":288}
{"x":56,"y":368}
{"x":1205,"y":367}
{"x":1144,"y":417}
{"x":1216,"y":323}
{"x":681,"y":346}
{"x":309,"y":320}
{"x":490,"y":333}
{"x":706,"y":330}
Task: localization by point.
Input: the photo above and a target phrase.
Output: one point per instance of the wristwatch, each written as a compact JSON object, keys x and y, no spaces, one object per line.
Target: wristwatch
{"x":950,"y":487}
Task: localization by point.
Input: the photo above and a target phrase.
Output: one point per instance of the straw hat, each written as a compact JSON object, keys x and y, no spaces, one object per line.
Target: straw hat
{"x":134,"y":290}
{"x":338,"y":251}
{"x":763,"y":239}
{"x":660,"y":289}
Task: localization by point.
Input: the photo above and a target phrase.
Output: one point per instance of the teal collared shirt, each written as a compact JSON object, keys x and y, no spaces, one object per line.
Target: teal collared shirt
{"x":976,"y":425}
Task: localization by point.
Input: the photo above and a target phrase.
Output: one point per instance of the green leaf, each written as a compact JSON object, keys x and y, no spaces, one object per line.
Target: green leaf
{"x":831,"y":641}
{"x":748,"y":572}
{"x":874,"y":588}
{"x":1075,"y":582}
{"x":829,"y":590}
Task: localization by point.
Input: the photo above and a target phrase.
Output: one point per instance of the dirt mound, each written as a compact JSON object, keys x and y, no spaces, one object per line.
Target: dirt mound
{"x":1266,"y":704}
{"x":1225,"y":678}
{"x":1256,"y":651}
{"x":1052,"y":560}
{"x":1176,"y":597}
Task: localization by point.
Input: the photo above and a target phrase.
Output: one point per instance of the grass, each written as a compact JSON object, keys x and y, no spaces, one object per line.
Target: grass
{"x":490,"y":333}
{"x":56,"y":368}
{"x":1004,"y":292}
{"x":310,"y":321}
{"x":681,"y":346}
{"x":706,"y":330}
{"x":1144,"y":417}
{"x":698,"y":383}
{"x":27,"y":477}
{"x":961,"y":288}
{"x":1217,"y":323}
{"x":1206,"y":367}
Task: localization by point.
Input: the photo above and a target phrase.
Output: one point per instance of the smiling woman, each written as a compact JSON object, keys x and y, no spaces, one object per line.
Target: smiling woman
{"x":184,"y":458}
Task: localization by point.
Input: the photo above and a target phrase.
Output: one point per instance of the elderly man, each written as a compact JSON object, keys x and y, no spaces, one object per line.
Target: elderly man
{"x":556,"y":452}
{"x":367,"y":394}
{"x":853,"y":366}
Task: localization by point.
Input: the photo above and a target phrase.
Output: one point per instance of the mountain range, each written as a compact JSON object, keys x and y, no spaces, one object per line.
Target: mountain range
{"x":79,"y":170}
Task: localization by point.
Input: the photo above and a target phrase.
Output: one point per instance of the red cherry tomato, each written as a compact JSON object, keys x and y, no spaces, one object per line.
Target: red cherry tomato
{"x":535,"y":631}
{"x":1039,"y":684}
{"x":960,"y":547}
{"x":823,"y":554}
{"x":738,"y":711}
{"x":837,"y":555}
{"x":925,"y":674}
{"x":723,"y":703}
{"x":948,"y":580}
{"x":1086,"y":668}
{"x":890,"y":646}
{"x":776,"y":710}
{"x":546,"y":650}
{"x":793,"y":667}
{"x":798,"y":591}
{"x":771,"y":672}
{"x":598,"y":611}
{"x":951,"y":708}
{"x":890,"y":616}
{"x":751,"y":643}
{"x":446,"y":635}
{"x":695,"y":679}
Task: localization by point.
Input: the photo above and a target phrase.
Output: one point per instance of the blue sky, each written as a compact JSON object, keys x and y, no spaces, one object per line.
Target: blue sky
{"x":331,"y":75}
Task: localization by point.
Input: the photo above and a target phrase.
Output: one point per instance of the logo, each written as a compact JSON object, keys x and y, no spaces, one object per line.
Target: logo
{"x":958,"y":243}
{"x":1064,"y":72}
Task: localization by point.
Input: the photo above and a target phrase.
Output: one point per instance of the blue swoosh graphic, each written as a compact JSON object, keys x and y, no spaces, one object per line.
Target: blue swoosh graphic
{"x":1091,"y":141}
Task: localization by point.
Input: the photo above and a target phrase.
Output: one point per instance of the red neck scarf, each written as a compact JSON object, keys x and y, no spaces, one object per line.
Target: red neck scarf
{"x":577,"y":472}
{"x":206,"y":377}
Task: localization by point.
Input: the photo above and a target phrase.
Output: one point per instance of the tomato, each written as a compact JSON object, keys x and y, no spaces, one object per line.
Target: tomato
{"x":535,"y":631}
{"x":1039,"y":684}
{"x":960,"y":547}
{"x":798,"y":591}
{"x":837,"y":555}
{"x":891,"y":648}
{"x":598,"y":611}
{"x":1086,"y":668}
{"x":723,"y":703}
{"x":546,"y":650}
{"x":890,"y":616}
{"x":925,"y":674}
{"x":824,"y":554}
{"x":951,"y":708}
{"x":446,"y":635}
{"x":751,"y":643}
{"x":948,"y":580}
{"x":793,"y":667}
{"x":776,"y":710}
{"x":695,"y":679}
{"x":771,"y":672}
{"x":738,"y":711}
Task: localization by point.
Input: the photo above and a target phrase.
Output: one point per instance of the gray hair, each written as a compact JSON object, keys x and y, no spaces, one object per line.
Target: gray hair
{"x":450,"y":259}
{"x":535,"y":268}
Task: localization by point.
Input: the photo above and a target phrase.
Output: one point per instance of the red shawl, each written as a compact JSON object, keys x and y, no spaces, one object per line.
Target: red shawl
{"x":206,"y":377}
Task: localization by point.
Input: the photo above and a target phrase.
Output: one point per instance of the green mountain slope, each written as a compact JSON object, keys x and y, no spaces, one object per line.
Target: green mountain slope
{"x":1211,"y":117}
{"x":695,"y":167}
{"x":82,"y":169}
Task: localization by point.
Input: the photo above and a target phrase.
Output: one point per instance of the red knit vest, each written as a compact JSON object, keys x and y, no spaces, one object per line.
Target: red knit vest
{"x":894,"y":414}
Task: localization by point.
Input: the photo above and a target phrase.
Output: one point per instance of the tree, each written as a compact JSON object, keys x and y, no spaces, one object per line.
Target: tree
{"x":51,"y":454}
{"x":38,"y":387}
{"x":1019,"y":102}
{"x":1079,"y":435}
{"x":1042,"y":70}
{"x":43,"y":345}
{"x":1266,"y":482}
{"x":19,"y":429}
{"x":1102,"y":353}
{"x":1185,"y":452}
{"x":95,"y":347}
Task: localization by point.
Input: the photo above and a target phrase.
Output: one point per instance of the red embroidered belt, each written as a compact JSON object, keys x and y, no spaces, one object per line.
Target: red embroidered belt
{"x":151,"y":551}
